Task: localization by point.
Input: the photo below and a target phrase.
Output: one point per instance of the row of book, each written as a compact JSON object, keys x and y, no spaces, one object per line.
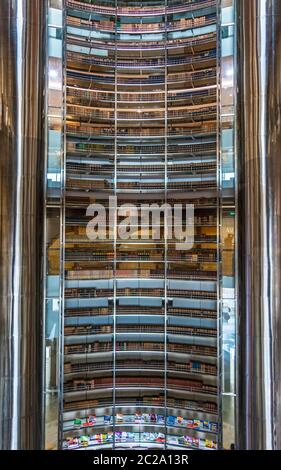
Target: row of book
{"x":140,"y":310}
{"x":104,"y":184}
{"x":190,"y":366}
{"x":142,"y":418}
{"x":140,"y":328}
{"x":203,"y":203}
{"x":74,"y":253}
{"x":175,"y":6}
{"x":125,"y":437}
{"x":108,"y":346}
{"x":107,"y":25}
{"x":192,"y":385}
{"x":85,"y":168}
{"x":92,"y":292}
{"x":80,"y":274}
{"x":153,"y":401}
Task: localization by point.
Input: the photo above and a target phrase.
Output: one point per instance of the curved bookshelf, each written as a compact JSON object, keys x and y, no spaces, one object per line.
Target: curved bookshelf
{"x":140,"y":316}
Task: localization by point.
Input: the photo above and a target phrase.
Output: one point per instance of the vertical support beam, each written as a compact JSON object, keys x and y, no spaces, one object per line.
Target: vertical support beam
{"x":22,"y":43}
{"x":259,"y":176}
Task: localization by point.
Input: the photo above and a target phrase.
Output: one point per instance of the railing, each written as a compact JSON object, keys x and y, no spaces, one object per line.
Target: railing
{"x":80,"y":274}
{"x":206,"y":220}
{"x":103,"y":311}
{"x":190,"y":385}
{"x":92,"y":60}
{"x":88,"y":169}
{"x":92,"y":292}
{"x":141,"y":132}
{"x":209,"y":407}
{"x":204,"y":113}
{"x":98,"y":347}
{"x":194,"y":123}
{"x":194,"y":367}
{"x":193,"y":41}
{"x":80,"y":330}
{"x":180,"y":5}
{"x":133,"y":310}
{"x":191,"y":77}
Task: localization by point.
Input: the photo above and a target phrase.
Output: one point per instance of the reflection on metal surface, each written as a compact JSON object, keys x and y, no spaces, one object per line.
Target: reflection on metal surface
{"x":260,"y":238}
{"x":21,"y":105}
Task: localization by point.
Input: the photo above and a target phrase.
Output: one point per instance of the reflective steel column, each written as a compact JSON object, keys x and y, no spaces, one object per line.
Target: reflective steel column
{"x":22,"y":41}
{"x":259,"y":157}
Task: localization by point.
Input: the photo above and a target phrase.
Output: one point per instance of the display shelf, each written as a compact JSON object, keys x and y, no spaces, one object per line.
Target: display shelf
{"x":140,"y":421}
{"x":96,"y":440}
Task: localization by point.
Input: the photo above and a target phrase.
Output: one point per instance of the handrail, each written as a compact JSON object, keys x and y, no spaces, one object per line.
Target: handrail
{"x":192,"y":41}
{"x":92,"y":60}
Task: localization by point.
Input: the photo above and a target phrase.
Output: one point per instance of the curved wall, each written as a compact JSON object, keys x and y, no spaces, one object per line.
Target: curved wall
{"x":140,"y":318}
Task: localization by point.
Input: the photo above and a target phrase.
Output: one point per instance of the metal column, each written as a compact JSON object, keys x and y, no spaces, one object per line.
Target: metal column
{"x":259,"y":175}
{"x":22,"y":42}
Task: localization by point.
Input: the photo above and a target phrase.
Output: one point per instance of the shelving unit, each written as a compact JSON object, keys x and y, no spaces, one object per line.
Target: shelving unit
{"x":140,"y":316}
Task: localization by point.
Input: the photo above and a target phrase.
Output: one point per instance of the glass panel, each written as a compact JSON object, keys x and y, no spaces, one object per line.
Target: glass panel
{"x":55,"y":16}
{"x":228,"y":222}
{"x":228,"y":412}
